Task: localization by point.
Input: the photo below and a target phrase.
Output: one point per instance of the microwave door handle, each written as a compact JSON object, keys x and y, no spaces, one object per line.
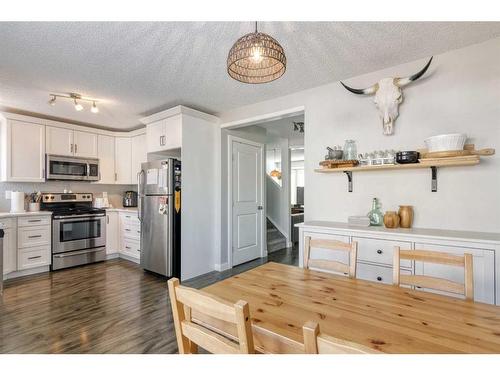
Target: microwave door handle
{"x":88,"y":171}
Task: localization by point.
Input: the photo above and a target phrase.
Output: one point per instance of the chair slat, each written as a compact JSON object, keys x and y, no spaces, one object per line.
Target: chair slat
{"x":209,"y":340}
{"x":432,"y":257}
{"x":330,"y":244}
{"x":430,"y":282}
{"x":329,"y":265}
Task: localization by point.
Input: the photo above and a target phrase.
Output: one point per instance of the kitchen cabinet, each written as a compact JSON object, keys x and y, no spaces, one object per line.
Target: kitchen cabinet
{"x":112,"y":233}
{"x":9,"y":245}
{"x":22,"y":151}
{"x":33,"y":242}
{"x":139,"y":155}
{"x":165,"y":134}
{"x":85,"y":144}
{"x":59,"y":141}
{"x":123,"y":160}
{"x":130,"y":235}
{"x":376,"y":246}
{"x":106,"y":155}
{"x":68,"y":142}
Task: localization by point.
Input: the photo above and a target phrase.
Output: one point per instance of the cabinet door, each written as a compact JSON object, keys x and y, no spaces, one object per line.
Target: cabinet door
{"x":173,"y":133}
{"x":25,"y":152}
{"x":106,"y":153}
{"x":9,"y":251}
{"x":139,"y":155}
{"x":155,"y":133}
{"x":112,"y":233}
{"x":484,"y":270}
{"x":123,"y":160}
{"x":59,"y":141}
{"x":85,"y":144}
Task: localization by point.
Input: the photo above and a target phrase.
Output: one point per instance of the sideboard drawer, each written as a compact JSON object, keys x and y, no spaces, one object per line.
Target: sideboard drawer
{"x":380,"y":251}
{"x":29,"y":221}
{"x":33,"y":236}
{"x":379,"y":274}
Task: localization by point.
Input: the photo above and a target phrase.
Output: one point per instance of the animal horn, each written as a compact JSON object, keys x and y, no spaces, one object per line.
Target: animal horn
{"x":368,"y":91}
{"x":406,"y":80}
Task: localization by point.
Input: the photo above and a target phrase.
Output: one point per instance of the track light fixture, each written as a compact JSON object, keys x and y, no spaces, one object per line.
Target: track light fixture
{"x":76,"y":98}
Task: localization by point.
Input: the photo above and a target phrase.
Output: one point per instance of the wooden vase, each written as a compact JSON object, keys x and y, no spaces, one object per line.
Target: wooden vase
{"x":391,"y":219}
{"x":406,"y":216}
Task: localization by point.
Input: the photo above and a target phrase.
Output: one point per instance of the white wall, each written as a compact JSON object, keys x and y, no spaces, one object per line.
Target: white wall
{"x":460,"y":93}
{"x":115,"y":192}
{"x":200,"y":156}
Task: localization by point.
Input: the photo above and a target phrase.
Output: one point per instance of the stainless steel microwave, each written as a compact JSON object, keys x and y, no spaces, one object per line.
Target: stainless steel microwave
{"x":71,"y":168}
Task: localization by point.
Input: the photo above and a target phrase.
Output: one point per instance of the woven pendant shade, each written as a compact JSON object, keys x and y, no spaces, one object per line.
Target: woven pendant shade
{"x":256,"y":58}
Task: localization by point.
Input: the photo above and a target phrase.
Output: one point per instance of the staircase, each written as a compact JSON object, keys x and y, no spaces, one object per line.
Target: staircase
{"x":275,"y":240}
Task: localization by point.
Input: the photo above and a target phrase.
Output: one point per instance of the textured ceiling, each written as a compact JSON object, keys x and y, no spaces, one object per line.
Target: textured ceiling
{"x":139,"y":68}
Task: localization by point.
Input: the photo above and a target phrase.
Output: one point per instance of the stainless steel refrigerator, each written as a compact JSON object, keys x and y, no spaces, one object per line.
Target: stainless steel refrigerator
{"x":159,"y":188}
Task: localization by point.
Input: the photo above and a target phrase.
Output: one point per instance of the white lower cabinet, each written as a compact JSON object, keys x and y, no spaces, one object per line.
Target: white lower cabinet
{"x":32,"y":257}
{"x":9,"y":245}
{"x":112,"y":233}
{"x":132,"y":248}
{"x":376,"y":250}
{"x":130,"y":235}
{"x":33,"y":242}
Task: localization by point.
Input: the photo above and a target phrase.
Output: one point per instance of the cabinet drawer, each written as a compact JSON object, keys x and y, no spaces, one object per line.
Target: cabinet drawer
{"x":6,"y":223}
{"x":131,"y":248}
{"x":129,"y":218}
{"x":379,"y":274}
{"x":33,"y":236}
{"x":131,"y":231}
{"x":30,"y":221}
{"x":33,"y":257}
{"x":380,"y":251}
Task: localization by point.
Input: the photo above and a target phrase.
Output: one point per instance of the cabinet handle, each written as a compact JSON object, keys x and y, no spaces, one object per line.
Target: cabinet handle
{"x":38,"y":256}
{"x":107,"y":219}
{"x":379,"y":278}
{"x":34,"y":221}
{"x":76,"y":148}
{"x":116,"y":176}
{"x":71,"y":148}
{"x":35,"y":236}
{"x":379,"y":251}
{"x":127,"y":230}
{"x":127,"y":247}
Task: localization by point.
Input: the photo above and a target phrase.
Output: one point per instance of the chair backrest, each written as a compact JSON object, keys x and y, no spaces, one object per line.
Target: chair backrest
{"x":317,"y":343}
{"x":331,"y":265}
{"x":437,"y":283}
{"x":190,"y":334}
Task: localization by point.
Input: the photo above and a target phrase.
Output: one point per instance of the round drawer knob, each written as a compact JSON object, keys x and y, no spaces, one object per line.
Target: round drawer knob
{"x":379,"y":278}
{"x":379,"y":251}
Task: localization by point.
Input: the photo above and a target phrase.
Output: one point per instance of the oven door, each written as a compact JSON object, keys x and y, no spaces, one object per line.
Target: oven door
{"x":78,"y":233}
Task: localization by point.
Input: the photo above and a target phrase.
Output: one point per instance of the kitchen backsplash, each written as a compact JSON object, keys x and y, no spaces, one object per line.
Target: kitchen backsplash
{"x":115,"y":192}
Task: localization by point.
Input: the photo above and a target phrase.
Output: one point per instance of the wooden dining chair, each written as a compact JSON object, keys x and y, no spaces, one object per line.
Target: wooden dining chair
{"x":318,"y":343}
{"x":191,"y":334}
{"x":427,"y":256}
{"x":331,"y":265}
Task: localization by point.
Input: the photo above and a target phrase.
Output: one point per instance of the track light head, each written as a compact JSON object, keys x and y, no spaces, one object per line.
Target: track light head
{"x":78,"y":106}
{"x":94,"y":108}
{"x":52,"y":101}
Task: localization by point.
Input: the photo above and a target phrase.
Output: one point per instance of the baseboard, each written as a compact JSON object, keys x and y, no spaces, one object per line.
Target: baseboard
{"x":130,"y":259}
{"x":289,"y":243}
{"x":222,"y":267}
{"x":112,"y":256}
{"x":22,"y":273}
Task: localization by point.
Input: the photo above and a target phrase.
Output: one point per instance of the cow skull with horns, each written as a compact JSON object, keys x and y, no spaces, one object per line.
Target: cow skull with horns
{"x":388,"y":96}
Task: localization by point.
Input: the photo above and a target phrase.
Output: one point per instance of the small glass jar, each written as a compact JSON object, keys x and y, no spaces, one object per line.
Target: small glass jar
{"x":350,"y":150}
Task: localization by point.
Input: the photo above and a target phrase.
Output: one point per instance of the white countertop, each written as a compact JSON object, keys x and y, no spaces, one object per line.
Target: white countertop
{"x":417,"y":232}
{"x":27,"y":213}
{"x":122,"y":209}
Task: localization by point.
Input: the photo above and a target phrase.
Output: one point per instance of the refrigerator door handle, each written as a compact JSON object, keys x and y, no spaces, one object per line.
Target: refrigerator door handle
{"x":139,"y":183}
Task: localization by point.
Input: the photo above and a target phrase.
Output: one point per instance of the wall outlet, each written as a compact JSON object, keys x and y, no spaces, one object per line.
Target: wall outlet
{"x":7,"y":194}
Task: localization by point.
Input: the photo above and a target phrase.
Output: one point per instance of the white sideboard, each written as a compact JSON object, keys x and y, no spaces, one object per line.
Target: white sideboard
{"x":376,"y":244}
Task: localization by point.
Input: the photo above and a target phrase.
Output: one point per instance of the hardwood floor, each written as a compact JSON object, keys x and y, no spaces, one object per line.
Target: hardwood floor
{"x":108,"y":307}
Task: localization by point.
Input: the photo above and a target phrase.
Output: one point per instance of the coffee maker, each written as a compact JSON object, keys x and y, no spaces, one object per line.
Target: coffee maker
{"x":130,"y":199}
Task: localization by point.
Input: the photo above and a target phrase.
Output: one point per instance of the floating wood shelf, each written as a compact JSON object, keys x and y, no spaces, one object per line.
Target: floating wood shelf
{"x":448,"y":162}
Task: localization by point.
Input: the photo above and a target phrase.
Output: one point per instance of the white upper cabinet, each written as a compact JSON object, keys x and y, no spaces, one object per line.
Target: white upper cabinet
{"x":123,"y":160}
{"x":59,"y":141}
{"x":139,"y":155}
{"x":165,"y":134}
{"x":22,"y":151}
{"x":85,"y":144}
{"x":106,"y":154}
{"x":68,"y":142}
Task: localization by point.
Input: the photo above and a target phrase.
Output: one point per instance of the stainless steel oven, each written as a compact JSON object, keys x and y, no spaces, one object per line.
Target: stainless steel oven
{"x":71,"y":168}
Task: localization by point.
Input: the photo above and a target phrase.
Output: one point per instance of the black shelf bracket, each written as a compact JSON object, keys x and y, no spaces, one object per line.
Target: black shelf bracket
{"x":349,"y":180}
{"x":434,"y":182}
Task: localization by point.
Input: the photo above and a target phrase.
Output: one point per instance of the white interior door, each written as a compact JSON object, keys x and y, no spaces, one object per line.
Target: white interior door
{"x":247,"y":202}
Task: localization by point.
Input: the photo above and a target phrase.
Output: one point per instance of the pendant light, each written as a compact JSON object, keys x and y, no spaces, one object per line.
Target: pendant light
{"x":275,"y":173}
{"x":256,"y":58}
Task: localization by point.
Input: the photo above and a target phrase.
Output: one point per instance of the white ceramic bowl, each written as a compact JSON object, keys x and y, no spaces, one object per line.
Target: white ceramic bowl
{"x":446,"y":142}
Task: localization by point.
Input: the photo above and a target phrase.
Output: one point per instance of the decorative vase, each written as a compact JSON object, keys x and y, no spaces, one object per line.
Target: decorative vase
{"x":391,"y":219}
{"x":375,"y":215}
{"x":406,"y":216}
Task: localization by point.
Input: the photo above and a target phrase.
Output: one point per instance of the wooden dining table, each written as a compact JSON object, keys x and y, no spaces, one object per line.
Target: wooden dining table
{"x":387,"y":318}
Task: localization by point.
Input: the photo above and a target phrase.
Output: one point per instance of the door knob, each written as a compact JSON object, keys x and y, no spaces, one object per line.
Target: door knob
{"x":260,"y":208}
